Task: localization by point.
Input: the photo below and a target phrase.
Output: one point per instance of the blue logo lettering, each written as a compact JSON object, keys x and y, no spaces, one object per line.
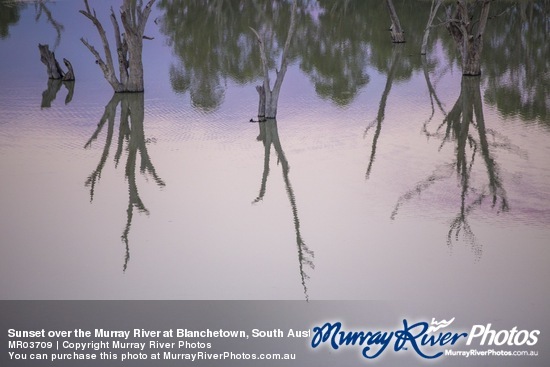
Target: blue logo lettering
{"x":374,"y":343}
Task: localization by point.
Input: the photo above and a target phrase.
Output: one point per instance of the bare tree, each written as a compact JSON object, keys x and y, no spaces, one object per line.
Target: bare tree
{"x":129,"y":45}
{"x":52,"y":65}
{"x":270,"y":97}
{"x":397,"y":34}
{"x":467,"y":32}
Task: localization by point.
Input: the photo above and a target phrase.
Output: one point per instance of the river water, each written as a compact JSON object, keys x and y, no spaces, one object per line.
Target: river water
{"x":385,"y":176}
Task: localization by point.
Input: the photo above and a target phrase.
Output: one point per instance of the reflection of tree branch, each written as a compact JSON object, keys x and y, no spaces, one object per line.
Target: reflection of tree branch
{"x":269,"y":135}
{"x":467,"y":112}
{"x":421,"y":187}
{"x":41,"y":7}
{"x":433,"y":11}
{"x":131,"y":131}
{"x":493,"y":171}
{"x":272,"y":96}
{"x":49,"y":94}
{"x":108,"y":115}
{"x":433,"y":96}
{"x":396,"y":55}
{"x":70,"y":88}
{"x":460,"y":224}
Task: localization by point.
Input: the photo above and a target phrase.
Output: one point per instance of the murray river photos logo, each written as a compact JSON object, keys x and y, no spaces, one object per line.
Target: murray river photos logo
{"x":428,"y":340}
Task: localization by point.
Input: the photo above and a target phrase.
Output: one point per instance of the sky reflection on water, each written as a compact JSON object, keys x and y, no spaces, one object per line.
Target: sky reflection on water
{"x":384,"y":188}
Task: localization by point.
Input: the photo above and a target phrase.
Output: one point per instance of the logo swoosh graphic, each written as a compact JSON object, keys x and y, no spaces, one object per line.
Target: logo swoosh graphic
{"x":439,"y":325}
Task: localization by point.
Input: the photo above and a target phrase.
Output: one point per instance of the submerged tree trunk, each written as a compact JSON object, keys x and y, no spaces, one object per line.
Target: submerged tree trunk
{"x":397,"y":34}
{"x":467,"y":32}
{"x":261,"y":103}
{"x":129,"y":45}
{"x":271,"y":97}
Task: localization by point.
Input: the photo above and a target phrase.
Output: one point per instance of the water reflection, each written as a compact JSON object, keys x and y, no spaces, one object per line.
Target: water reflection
{"x":131,"y":138}
{"x":212,"y":42}
{"x":269,"y":136}
{"x":41,"y":8}
{"x":220,"y":46}
{"x":10,"y":12}
{"x":515,"y":60}
{"x":335,"y":54}
{"x":464,"y":125}
{"x":50,"y":93}
{"x":337,"y":41}
{"x":394,"y":66}
{"x":518,"y":62}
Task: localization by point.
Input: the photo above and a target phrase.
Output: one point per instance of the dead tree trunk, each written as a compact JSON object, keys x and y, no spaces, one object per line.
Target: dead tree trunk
{"x":69,"y":75}
{"x":52,"y":66}
{"x":397,"y":34}
{"x":261,"y":104}
{"x":467,"y":32}
{"x":269,"y":102}
{"x":129,"y":45}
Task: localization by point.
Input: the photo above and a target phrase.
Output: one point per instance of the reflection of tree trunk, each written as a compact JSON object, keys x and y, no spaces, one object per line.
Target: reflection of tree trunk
{"x":269,"y":135}
{"x":48,"y":96}
{"x":466,"y":115}
{"x":131,"y":131}
{"x":433,"y":12}
{"x":468,"y":33}
{"x":108,"y":115}
{"x":495,"y":183}
{"x":432,"y":93}
{"x":396,"y":56}
{"x":397,"y":34}
{"x":131,"y":111}
{"x":272,"y":96}
{"x":50,"y":93}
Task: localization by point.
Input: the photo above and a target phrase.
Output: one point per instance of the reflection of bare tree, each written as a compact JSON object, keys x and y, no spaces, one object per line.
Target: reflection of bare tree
{"x":459,"y":126}
{"x":269,"y":97}
{"x":396,"y":55}
{"x":432,"y":93}
{"x":50,"y":93}
{"x":269,"y":136}
{"x":132,"y":137}
{"x":41,"y":8}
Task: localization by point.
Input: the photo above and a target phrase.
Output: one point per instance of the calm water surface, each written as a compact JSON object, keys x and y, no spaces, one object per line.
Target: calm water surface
{"x":373,"y":183}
